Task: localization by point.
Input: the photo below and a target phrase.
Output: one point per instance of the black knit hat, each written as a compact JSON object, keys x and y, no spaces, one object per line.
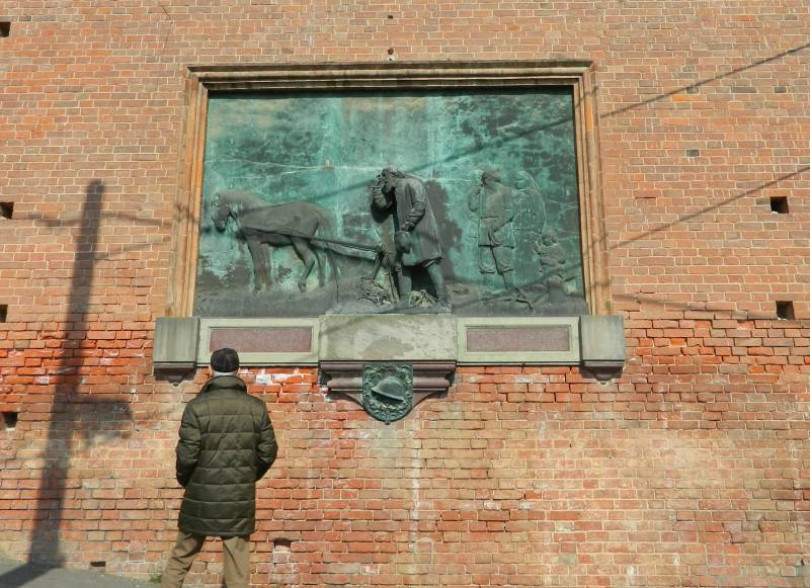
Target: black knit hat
{"x":225,"y":360}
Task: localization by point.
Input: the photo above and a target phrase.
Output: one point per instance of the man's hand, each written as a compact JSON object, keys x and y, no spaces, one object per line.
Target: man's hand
{"x":402,"y":239}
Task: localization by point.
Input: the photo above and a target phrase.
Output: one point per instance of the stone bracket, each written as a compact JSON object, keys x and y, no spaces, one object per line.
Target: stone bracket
{"x":175,"y":352}
{"x":345,"y":378}
{"x":602,"y":346}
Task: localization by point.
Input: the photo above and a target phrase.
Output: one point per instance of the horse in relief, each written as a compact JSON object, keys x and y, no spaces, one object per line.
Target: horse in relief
{"x":264,"y":226}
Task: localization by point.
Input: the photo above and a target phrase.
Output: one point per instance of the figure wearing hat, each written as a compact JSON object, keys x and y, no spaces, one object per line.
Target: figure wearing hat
{"x":226,"y":445}
{"x":496,"y":240}
{"x":416,"y":238}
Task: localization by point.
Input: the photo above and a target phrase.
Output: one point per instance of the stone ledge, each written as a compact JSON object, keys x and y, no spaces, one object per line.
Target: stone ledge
{"x":596,"y":343}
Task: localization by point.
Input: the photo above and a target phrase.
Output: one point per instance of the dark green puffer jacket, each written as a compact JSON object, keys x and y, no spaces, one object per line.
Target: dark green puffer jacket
{"x":226,"y":444}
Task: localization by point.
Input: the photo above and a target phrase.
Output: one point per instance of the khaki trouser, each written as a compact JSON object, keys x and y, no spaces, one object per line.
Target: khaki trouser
{"x":235,"y":551}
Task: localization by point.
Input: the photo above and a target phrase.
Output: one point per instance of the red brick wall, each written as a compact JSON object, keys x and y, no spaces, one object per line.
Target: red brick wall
{"x":691,"y":470}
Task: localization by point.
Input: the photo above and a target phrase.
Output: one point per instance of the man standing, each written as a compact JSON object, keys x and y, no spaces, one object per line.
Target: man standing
{"x":416,"y":236}
{"x":496,"y":240}
{"x":226,"y":445}
{"x":494,"y":203}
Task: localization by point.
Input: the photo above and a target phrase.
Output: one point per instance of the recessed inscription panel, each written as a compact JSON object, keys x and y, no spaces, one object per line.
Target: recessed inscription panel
{"x":263,"y":339}
{"x":511,"y":340}
{"x":518,"y":339}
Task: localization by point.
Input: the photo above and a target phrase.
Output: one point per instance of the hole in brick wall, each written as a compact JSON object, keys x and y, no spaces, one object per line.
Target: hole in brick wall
{"x":10,"y":420}
{"x":784,"y":310}
{"x":5,"y":28}
{"x":3,"y":312}
{"x":6,"y":209}
{"x":98,"y":564}
{"x":779,"y":205}
{"x":282,"y":543}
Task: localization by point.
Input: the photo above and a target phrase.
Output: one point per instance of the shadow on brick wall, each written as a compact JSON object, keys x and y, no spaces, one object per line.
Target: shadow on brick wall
{"x":73,"y":415}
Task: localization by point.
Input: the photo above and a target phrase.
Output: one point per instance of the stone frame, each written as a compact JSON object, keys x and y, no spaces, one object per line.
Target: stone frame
{"x":202,"y":80}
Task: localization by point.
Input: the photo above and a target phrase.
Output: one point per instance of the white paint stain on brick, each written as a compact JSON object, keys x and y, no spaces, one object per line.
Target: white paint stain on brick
{"x":264,"y":379}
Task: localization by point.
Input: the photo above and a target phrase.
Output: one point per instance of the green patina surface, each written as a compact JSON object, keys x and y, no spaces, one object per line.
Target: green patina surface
{"x":327,"y":148}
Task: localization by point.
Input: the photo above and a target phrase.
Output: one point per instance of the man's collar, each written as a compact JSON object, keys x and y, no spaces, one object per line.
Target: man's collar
{"x":226,"y":381}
